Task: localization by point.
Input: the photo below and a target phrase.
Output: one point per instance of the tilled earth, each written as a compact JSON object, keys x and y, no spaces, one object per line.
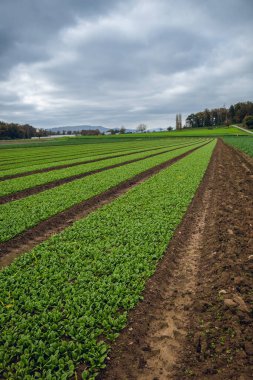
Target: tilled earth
{"x":196,"y":318}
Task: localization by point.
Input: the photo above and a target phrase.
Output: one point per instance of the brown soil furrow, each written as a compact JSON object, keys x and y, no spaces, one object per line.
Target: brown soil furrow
{"x":220,"y":343}
{"x":167,"y":335}
{"x":27,"y":240}
{"x":56,"y":167}
{"x":149,"y":347}
{"x":196,"y":319}
{"x":50,"y":185}
{"x":241,"y":156}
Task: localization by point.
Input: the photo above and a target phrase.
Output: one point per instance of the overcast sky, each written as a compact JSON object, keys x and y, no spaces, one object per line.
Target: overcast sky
{"x":113,"y":63}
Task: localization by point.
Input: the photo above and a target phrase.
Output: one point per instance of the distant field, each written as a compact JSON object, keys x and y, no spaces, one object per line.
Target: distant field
{"x":195,"y":132}
{"x":209,"y":132}
{"x":190,"y":132}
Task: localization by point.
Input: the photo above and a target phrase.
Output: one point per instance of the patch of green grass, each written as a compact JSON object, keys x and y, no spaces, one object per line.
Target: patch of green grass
{"x":79,"y":140}
{"x":208,"y":132}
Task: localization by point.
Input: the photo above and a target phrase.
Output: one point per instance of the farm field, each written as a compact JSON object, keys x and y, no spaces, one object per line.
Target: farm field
{"x":128,"y":137}
{"x":200,"y":132}
{"x":31,"y":181}
{"x":34,"y":161}
{"x":21,"y":214}
{"x":103,"y":250}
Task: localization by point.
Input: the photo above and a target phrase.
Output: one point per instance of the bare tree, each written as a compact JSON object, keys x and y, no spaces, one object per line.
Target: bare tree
{"x":141,"y":128}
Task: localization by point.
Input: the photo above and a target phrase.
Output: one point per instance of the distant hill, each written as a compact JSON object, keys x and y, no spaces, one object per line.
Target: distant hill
{"x":73,"y":128}
{"x":77,"y":128}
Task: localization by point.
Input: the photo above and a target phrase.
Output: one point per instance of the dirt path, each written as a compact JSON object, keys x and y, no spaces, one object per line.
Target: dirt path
{"x":184,"y":329}
{"x":243,"y":129}
{"x":30,"y":238}
{"x":50,"y":185}
{"x":219,"y":344}
{"x":167,"y":334}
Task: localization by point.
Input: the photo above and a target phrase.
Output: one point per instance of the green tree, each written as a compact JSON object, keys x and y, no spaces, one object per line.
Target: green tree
{"x":248,"y":121}
{"x":122,"y":129}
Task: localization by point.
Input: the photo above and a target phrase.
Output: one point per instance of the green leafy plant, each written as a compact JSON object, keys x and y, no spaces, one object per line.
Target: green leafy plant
{"x":17,"y":216}
{"x":70,"y":295}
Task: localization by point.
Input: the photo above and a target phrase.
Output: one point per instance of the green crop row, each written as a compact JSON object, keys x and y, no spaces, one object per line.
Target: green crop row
{"x":78,"y":158}
{"x":62,"y":302}
{"x":243,"y":143}
{"x":86,"y":151}
{"x":67,"y":161}
{"x":89,"y":155}
{"x":17,"y":216}
{"x":22,"y":183}
{"x":17,"y":184}
{"x":73,"y":142}
{"x":27,"y":155}
{"x":31,"y":161}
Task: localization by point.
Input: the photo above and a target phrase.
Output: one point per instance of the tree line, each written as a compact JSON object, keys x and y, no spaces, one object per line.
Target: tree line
{"x":239,"y":113}
{"x":16,"y":131}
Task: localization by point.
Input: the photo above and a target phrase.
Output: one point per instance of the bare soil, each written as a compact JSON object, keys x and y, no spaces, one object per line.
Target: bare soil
{"x":30,"y":238}
{"x":50,"y":185}
{"x":196,"y":318}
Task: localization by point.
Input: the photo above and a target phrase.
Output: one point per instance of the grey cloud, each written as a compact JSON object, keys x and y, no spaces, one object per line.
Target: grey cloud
{"x":114,"y":62}
{"x":27,"y":26}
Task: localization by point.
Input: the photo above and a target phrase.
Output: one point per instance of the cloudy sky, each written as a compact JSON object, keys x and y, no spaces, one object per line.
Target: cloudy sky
{"x":113,"y":63}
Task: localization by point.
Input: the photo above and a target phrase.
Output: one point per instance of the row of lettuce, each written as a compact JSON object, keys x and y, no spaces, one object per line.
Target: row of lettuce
{"x":39,"y":159}
{"x":63,"y":302}
{"x":52,"y":160}
{"x":19,"y":215}
{"x":22,"y":183}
